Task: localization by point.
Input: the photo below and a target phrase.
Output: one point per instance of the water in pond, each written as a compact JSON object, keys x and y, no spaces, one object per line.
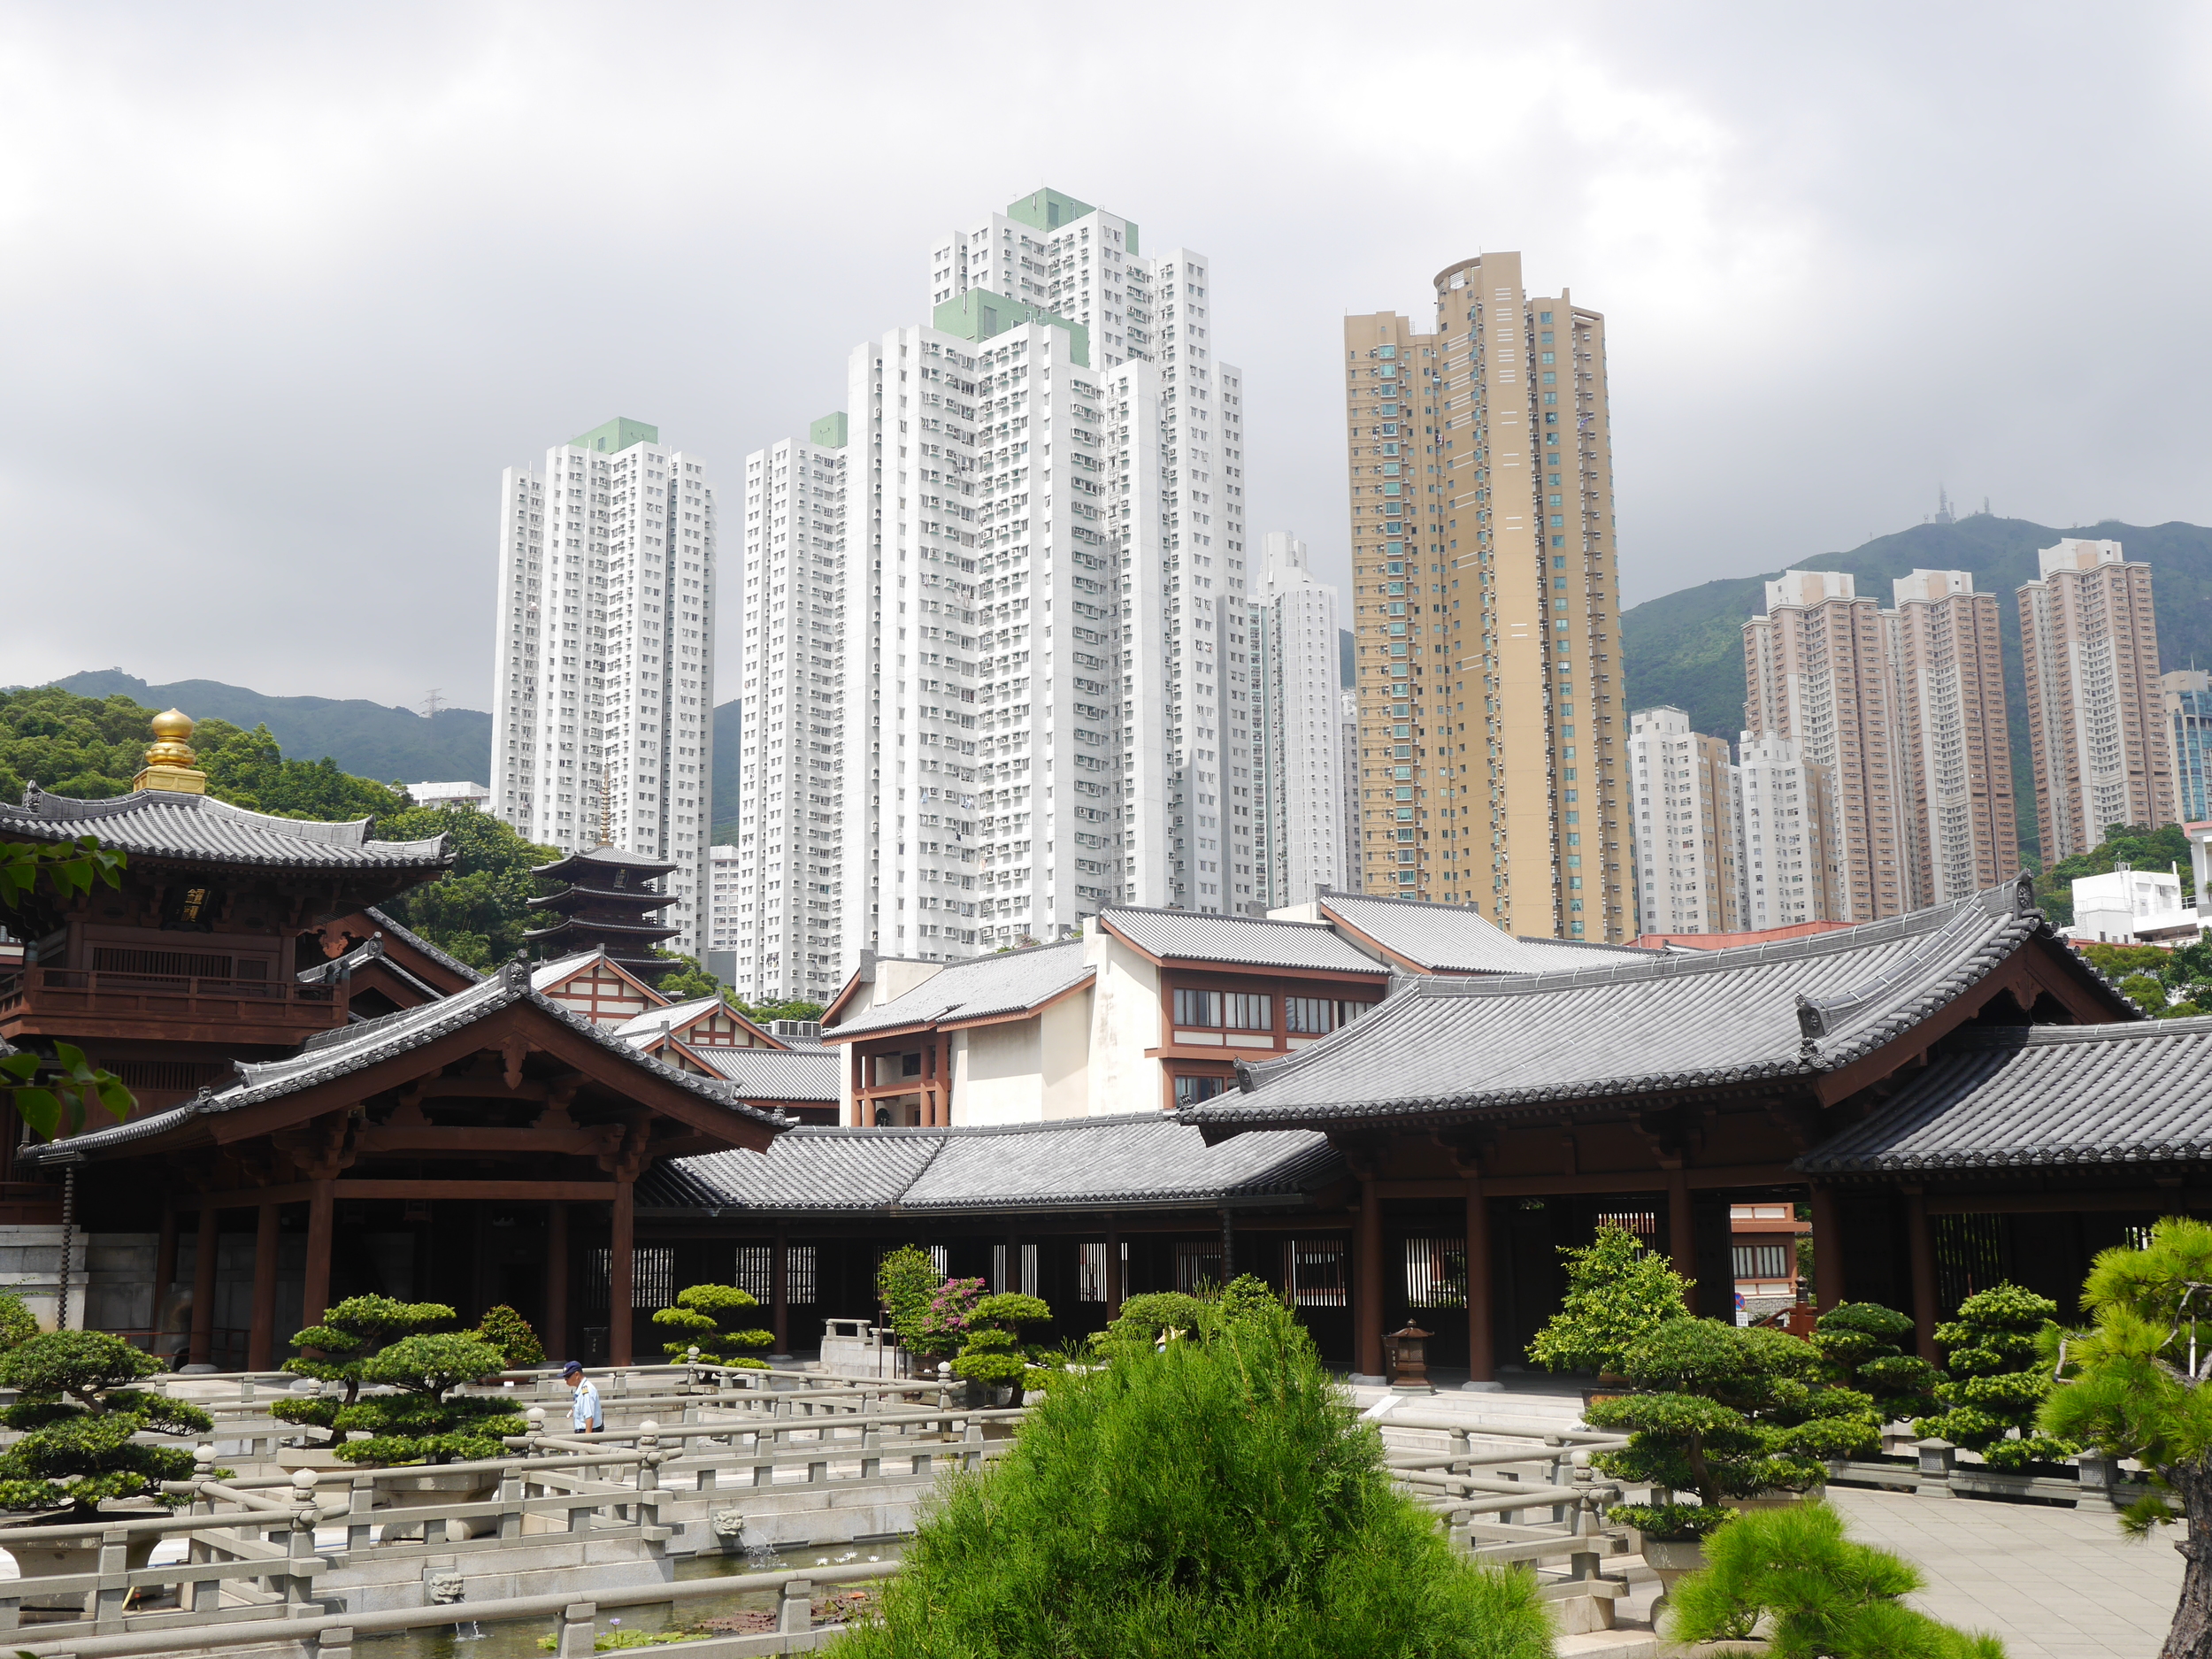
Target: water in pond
{"x":519,"y":1639}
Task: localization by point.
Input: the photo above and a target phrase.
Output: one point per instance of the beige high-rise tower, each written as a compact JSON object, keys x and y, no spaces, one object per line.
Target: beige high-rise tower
{"x":1954,"y":754}
{"x":1485,"y":602}
{"x":2096,"y":731}
{"x":1817,"y":669}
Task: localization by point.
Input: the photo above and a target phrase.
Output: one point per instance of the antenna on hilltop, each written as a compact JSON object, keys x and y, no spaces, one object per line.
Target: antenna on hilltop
{"x":430,"y":704}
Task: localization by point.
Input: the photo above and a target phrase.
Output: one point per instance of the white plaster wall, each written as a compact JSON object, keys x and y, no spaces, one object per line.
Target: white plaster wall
{"x":996,"y":1073}
{"x":1124,"y":1017}
{"x":1064,"y":1037}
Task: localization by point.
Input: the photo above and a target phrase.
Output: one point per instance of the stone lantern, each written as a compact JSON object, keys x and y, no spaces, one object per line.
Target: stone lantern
{"x":1409,"y":1360}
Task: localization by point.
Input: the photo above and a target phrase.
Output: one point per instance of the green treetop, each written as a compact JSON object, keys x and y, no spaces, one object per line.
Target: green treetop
{"x":80,"y":1420}
{"x":1616,"y":1291}
{"x":713,"y":1319}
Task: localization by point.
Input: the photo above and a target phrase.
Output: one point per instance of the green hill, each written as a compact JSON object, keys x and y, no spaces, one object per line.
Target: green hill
{"x":1686,"y":648}
{"x":366,"y":738}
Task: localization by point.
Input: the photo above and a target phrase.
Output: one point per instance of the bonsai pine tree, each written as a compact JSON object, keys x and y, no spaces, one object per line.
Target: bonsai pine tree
{"x":706,"y":1316}
{"x":511,"y":1334}
{"x":1859,"y":1343}
{"x":424,"y":1421}
{"x":1817,"y":1591}
{"x":1997,"y":1385}
{"x":1718,"y":1411}
{"x":992,"y":1351}
{"x":17,"y":1323}
{"x":1144,"y":1320}
{"x":80,"y":1416}
{"x":2139,"y":1384}
{"x":351,"y":1334}
{"x":1260,"y":1520}
{"x":1616,"y":1291}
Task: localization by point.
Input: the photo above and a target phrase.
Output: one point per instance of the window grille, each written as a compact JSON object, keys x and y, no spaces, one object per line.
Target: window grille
{"x":1197,"y":1267}
{"x":652,"y":1278}
{"x":1090,"y":1271}
{"x":1436,"y":1272}
{"x":1643,"y":1223}
{"x":755,"y":1269}
{"x":1969,"y":1252}
{"x":1313,"y":1271}
{"x":1028,"y":1286}
{"x":1765,"y":1261}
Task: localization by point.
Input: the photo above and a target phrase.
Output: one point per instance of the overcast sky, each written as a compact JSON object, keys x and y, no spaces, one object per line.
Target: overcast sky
{"x":286,"y":287}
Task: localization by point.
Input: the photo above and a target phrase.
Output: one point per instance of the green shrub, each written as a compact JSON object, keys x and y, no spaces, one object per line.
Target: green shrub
{"x":905,"y":1281}
{"x":420,"y":1423}
{"x":1616,"y":1291}
{"x":2145,"y":992}
{"x":992,"y":1354}
{"x":511,"y":1334}
{"x":79,"y":1418}
{"x":1218,"y":1498}
{"x":1997,"y":1386}
{"x":1820,"y":1594}
{"x":709,"y":1318}
{"x":1144,"y":1320}
{"x":1861,"y":1344}
{"x":17,"y":1323}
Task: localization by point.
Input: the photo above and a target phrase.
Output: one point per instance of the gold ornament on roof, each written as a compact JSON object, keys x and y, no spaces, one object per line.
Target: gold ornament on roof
{"x":169,"y":761}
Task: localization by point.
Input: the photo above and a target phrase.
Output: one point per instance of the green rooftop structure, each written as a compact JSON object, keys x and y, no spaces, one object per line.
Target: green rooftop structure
{"x":829,"y":431}
{"x":616,"y":437}
{"x":1049,"y":210}
{"x":978,"y":313}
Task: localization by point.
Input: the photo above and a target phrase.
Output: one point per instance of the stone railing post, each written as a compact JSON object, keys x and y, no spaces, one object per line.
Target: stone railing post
{"x":300,"y":1548}
{"x":1937,"y":1462}
{"x":335,"y":1643}
{"x":360,"y":1499}
{"x":579,"y":1630}
{"x":204,"y":1595}
{"x":796,"y":1616}
{"x":105,"y":1604}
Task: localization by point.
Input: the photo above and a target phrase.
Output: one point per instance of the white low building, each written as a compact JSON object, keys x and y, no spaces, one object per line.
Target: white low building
{"x":2134,"y":907}
{"x":463,"y":794}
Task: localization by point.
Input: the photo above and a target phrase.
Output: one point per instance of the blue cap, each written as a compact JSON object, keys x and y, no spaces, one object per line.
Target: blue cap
{"x":573,"y":1365}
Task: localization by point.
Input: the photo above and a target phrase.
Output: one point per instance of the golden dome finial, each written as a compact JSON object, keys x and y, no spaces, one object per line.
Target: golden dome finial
{"x":169,"y":761}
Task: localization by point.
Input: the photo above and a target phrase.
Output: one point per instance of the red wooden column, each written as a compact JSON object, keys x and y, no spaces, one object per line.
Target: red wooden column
{"x":315,"y":1301}
{"x":860,"y":1076}
{"x":261,"y":1340}
{"x":779,"y":1290}
{"x":203,"y":1284}
{"x":622,"y":1276}
{"x":1113,"y":1271}
{"x":1367,"y":1272}
{"x":164,"y":1273}
{"x":1923,"y":1271}
{"x":1828,"y":1278}
{"x":1481,"y":1360}
{"x":556,"y":1281}
{"x":1682,"y":1236}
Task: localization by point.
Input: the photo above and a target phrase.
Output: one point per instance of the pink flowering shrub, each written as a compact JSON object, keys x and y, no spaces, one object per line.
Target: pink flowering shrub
{"x":944,"y":1327}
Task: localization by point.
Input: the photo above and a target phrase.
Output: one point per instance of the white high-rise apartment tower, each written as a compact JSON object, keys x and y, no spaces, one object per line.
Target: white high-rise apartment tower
{"x":1788,"y":813}
{"x":1047,"y":677}
{"x":603,"y":690}
{"x":1297,"y":751}
{"x":788,"y":925}
{"x":1688,"y":807}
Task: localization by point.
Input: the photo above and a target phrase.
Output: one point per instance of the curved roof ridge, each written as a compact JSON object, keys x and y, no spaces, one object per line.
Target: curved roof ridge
{"x":414,"y":941}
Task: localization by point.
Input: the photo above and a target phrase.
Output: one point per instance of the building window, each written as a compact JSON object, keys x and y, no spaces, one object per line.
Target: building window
{"x":1436,"y":1272}
{"x":1190,"y":1090}
{"x":1314,"y":1272}
{"x":1090,"y":1271}
{"x":1198,"y":1008}
{"x":1765,"y":1261}
{"x":1316,"y":1016}
{"x":1250,"y":1012}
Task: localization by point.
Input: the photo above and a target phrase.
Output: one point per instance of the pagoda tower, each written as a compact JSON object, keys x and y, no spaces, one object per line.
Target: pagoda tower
{"x":609,"y":904}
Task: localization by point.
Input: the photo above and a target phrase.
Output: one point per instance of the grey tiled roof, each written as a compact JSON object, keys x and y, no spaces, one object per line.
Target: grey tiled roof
{"x":162,"y":824}
{"x":1146,"y":1160}
{"x":792,"y":1074}
{"x":416,"y":941}
{"x":1003,"y":983}
{"x":1450,"y":1049}
{"x":1458,"y":939}
{"x":2043,"y":1095}
{"x":1197,"y":936}
{"x":350,"y":1049}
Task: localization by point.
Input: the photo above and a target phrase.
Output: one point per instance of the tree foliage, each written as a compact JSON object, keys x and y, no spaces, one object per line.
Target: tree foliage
{"x":55,"y":1092}
{"x":79,"y":1420}
{"x":1861,"y":1344}
{"x":2137,"y":846}
{"x":511,"y":1334}
{"x":906,"y":1279}
{"x":480,"y":910}
{"x":1262,"y":1523}
{"x":1616,"y":1291}
{"x":1997,"y":1384}
{"x":425,"y":1421}
{"x":710,"y":1318}
{"x":1793,"y":1573}
{"x":350,"y":1336}
{"x":992,"y":1352}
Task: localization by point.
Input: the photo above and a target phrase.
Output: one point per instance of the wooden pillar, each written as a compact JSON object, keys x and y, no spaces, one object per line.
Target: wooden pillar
{"x":779,"y":1289}
{"x":1923,"y":1272}
{"x":1682,"y":1237}
{"x":203,"y":1284}
{"x":622,"y":1276}
{"x":860,"y":1081}
{"x":1229,"y":1242}
{"x":315,"y":1301}
{"x":1481,"y":1357}
{"x":1113,"y":1271}
{"x":1828,"y":1280}
{"x":556,"y":1282}
{"x":261,"y":1340}
{"x":164,"y":1273}
{"x":1367,"y":1274}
